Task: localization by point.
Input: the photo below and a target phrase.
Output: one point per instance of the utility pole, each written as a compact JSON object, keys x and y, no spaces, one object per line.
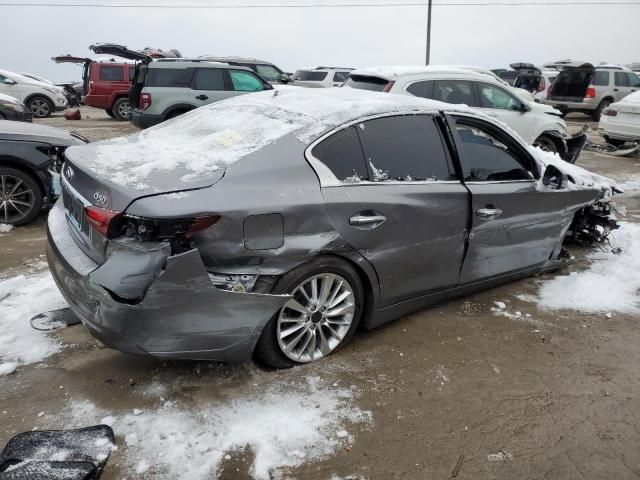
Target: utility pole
{"x":429,"y":31}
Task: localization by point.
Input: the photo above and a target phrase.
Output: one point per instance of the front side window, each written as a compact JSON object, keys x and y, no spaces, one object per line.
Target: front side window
{"x":269,"y":72}
{"x":600,"y":78}
{"x":132,"y":72}
{"x":487,"y":159}
{"x":404,"y":148}
{"x":621,"y":79}
{"x":422,"y":89}
{"x":454,"y":91}
{"x":342,"y":154}
{"x":245,"y":81}
{"x":109,"y":73}
{"x":634,"y":80}
{"x":208,"y":79}
{"x":168,"y":77}
{"x":490,"y":96}
{"x":339,"y":77}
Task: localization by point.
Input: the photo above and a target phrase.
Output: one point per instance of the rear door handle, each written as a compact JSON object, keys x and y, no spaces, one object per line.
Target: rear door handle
{"x":615,"y":89}
{"x":202,"y":97}
{"x":366,"y":221}
{"x":488,"y":213}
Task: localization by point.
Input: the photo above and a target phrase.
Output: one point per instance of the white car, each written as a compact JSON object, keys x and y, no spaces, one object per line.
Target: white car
{"x":41,"y":98}
{"x":521,"y":92}
{"x":537,"y":124}
{"x":620,"y":122}
{"x":320,"y":77}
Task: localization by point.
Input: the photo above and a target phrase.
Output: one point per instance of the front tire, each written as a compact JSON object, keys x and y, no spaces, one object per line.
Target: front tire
{"x":20,"y":197}
{"x":109,"y":112}
{"x":322,"y":316}
{"x":121,"y":109}
{"x":546,"y":143}
{"x":40,"y":106}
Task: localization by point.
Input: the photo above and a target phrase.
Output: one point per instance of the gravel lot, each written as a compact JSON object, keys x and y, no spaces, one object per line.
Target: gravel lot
{"x":464,"y":389}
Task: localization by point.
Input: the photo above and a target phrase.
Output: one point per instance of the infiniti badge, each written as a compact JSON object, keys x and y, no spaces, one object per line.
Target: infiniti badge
{"x":69,"y":173}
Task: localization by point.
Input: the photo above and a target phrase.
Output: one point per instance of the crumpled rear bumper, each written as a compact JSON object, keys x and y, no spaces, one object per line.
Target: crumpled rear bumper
{"x":182,"y":315}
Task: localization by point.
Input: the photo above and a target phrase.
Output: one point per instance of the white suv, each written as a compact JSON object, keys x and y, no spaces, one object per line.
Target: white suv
{"x":537,"y":124}
{"x":321,"y":77}
{"x":41,"y":98}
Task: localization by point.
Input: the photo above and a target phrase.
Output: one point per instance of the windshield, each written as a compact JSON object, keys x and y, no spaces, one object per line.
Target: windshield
{"x":309,"y":75}
{"x":269,"y":72}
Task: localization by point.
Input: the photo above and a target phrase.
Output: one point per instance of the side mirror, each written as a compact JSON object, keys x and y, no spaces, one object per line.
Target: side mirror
{"x":284,"y":78}
{"x":8,"y":81}
{"x":554,"y":179}
{"x":524,"y":107}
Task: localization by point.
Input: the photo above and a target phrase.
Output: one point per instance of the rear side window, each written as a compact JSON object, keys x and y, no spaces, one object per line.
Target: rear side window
{"x":487,"y":159}
{"x":404,"y":148}
{"x":110,"y":73}
{"x":454,"y":91}
{"x":168,"y":77}
{"x":361,"y":82}
{"x":245,"y":81}
{"x":621,"y":79}
{"x":340,"y":76}
{"x":422,"y":89}
{"x":309,"y":76}
{"x":342,"y":154}
{"x":600,"y":78}
{"x":208,"y":79}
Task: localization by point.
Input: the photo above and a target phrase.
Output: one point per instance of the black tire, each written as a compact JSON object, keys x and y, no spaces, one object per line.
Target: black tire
{"x":28,"y":192}
{"x":40,"y":106}
{"x":109,"y":112}
{"x":615,"y":143}
{"x":546,"y":143}
{"x":597,"y":113}
{"x":175,"y":113}
{"x":268,"y":349}
{"x":121,"y":109}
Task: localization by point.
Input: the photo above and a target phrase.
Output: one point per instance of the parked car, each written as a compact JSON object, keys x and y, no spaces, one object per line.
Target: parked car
{"x":13,"y":109}
{"x":536,"y":124}
{"x":581,"y":87}
{"x":267,"y":70}
{"x":72,"y":90}
{"x":508,"y":76}
{"x":279,"y":222}
{"x":322,"y":77}
{"x":165,"y":89}
{"x":620,"y":122}
{"x":30,"y":160}
{"x":534,"y":80}
{"x":520,"y":92}
{"x":41,"y":98}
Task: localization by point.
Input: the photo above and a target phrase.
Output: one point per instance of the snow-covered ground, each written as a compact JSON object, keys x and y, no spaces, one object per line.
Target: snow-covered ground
{"x":22,"y":297}
{"x":284,"y":422}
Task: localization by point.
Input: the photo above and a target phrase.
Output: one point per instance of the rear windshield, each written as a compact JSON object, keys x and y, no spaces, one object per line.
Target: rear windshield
{"x":310,"y":75}
{"x":168,"y":77}
{"x":600,"y":78}
{"x":362,"y":82}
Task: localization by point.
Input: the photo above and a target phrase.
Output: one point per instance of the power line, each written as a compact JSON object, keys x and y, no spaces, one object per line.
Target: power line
{"x":315,"y":5}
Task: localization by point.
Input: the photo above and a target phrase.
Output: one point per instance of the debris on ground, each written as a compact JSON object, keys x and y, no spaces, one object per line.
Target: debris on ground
{"x":5,"y":227}
{"x":500,"y":456}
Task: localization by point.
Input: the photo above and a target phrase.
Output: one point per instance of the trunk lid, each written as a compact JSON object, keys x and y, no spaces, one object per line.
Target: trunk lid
{"x":120,"y":51}
{"x":572,"y":82}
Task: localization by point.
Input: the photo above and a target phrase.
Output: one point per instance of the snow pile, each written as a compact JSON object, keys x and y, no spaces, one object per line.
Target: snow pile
{"x":283,"y":425}
{"x":5,"y":228}
{"x":203,"y":142}
{"x":579,"y":178}
{"x":611,"y":283}
{"x":20,"y":299}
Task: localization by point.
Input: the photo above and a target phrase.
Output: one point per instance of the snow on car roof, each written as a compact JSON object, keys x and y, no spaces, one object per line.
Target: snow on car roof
{"x":205,"y":140}
{"x":393,"y":72}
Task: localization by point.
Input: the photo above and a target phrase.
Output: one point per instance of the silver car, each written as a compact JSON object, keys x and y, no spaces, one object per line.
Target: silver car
{"x":279,"y":222}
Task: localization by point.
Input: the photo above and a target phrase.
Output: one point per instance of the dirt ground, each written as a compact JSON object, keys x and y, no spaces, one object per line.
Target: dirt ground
{"x":453,"y":389}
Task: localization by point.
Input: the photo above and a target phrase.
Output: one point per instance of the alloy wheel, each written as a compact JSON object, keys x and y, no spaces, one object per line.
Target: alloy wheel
{"x":40,"y":107}
{"x":16,"y":199}
{"x":316,"y":320}
{"x":124,"y":110}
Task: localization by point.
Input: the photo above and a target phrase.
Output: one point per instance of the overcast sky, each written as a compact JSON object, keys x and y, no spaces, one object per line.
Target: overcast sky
{"x":487,"y":35}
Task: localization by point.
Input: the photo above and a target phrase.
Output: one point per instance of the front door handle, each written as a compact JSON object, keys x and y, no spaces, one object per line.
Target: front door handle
{"x":367,"y":221}
{"x":488,"y":212}
{"x":202,"y":97}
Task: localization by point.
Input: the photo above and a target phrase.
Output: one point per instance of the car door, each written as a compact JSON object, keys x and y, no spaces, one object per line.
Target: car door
{"x":209,"y":85}
{"x":621,"y":85}
{"x":391,"y":193}
{"x":498,"y":103}
{"x":8,"y":87}
{"x":514,"y":226}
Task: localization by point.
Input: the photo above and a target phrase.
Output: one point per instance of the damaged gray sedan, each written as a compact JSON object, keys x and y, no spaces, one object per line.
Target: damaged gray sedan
{"x":277,"y":223}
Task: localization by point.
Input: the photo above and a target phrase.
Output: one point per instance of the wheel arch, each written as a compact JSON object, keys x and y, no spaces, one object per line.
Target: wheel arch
{"x":30,"y":97}
{"x":18,"y":164}
{"x":184,"y":107}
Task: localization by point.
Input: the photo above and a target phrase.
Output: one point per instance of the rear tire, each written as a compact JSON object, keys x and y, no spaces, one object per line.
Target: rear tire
{"x":41,"y":107}
{"x":597,"y":113}
{"x":20,"y":197}
{"x":109,"y":112}
{"x":121,"y":109}
{"x":325,"y":326}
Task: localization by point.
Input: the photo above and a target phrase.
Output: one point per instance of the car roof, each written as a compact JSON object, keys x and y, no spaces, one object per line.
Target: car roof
{"x":393,"y":73}
{"x":323,"y":69}
{"x":192,"y":63}
{"x":235,"y":59}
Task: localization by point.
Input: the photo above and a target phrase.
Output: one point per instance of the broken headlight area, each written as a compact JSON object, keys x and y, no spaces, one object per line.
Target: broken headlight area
{"x":593,"y":224}
{"x":239,"y":283}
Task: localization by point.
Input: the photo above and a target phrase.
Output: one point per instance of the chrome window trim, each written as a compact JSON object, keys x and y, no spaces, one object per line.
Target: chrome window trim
{"x":326,"y":176}
{"x":480,"y":182}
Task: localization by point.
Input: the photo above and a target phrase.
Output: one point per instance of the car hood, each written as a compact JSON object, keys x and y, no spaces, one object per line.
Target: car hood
{"x":543,"y":108}
{"x":33,"y":132}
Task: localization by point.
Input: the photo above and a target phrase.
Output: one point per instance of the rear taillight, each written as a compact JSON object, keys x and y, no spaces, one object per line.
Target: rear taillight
{"x":541,"y":85}
{"x":388,"y":87}
{"x":610,"y":112}
{"x":591,"y":93}
{"x":102,"y":219}
{"x":145,"y":101}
